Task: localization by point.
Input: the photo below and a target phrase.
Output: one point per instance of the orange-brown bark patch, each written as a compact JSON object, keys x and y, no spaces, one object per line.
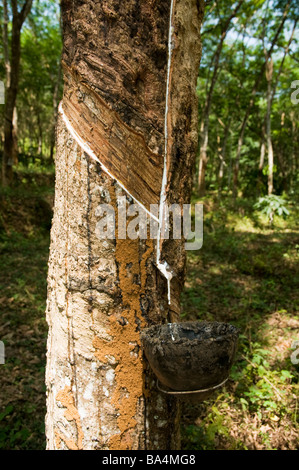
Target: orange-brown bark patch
{"x":125,"y":345}
{"x":71,"y":413}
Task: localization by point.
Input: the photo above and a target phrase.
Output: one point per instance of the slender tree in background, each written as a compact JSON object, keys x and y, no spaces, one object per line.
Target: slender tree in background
{"x":252,"y":98}
{"x":258,"y":33}
{"x":271,"y":90}
{"x":204,"y":131}
{"x":130,"y":72}
{"x":7,"y":81}
{"x":12,"y":75}
{"x":269,"y":77}
{"x":40,"y":85}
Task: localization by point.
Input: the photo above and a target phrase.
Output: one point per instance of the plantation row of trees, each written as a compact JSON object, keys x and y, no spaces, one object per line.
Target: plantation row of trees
{"x":31,"y":71}
{"x":248,"y":121}
{"x":249,"y":135}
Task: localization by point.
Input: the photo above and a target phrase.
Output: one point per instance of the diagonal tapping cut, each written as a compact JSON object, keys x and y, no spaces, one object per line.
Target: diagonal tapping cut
{"x":120,"y":151}
{"x":88,"y":150}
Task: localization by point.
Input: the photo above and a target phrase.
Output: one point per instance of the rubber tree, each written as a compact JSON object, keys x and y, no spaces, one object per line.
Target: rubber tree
{"x":12,"y":67}
{"x":204,"y":129}
{"x":126,"y":132}
{"x":253,"y":94}
{"x":271,"y":90}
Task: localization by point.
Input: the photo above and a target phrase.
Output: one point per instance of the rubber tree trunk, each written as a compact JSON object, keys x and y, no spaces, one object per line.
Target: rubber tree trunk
{"x":252,"y":101}
{"x":12,"y":75}
{"x":269,"y":75}
{"x":101,"y":393}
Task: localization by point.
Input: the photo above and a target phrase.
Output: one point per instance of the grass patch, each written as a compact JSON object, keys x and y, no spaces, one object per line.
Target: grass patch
{"x":247,"y":274}
{"x":24,"y":244}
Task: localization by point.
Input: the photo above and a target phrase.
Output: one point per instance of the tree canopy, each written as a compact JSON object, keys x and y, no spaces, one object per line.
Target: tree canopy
{"x":262,"y":31}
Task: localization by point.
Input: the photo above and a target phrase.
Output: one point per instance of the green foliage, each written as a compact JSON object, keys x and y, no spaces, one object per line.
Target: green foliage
{"x":40,"y":75}
{"x":247,"y":274}
{"x":272,"y":205}
{"x":261,"y":389}
{"x":25,"y":217}
{"x":241,"y":62}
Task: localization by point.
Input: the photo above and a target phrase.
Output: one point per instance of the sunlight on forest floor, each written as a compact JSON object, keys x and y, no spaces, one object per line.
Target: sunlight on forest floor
{"x":245,"y":273}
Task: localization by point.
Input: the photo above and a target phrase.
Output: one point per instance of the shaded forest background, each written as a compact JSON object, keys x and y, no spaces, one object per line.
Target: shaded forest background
{"x":247,"y":177}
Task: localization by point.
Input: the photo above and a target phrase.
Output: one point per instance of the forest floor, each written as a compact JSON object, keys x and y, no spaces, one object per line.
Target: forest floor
{"x":246,"y":273}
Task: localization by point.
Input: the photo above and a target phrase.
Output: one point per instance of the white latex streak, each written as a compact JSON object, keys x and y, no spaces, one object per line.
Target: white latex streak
{"x":162,"y":266}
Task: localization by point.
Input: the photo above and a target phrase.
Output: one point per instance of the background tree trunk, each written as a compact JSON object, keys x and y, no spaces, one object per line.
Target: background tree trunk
{"x":204,"y":130}
{"x":12,"y":75}
{"x":269,"y":76}
{"x":222,"y":155}
{"x":252,"y":101}
{"x":101,"y":293}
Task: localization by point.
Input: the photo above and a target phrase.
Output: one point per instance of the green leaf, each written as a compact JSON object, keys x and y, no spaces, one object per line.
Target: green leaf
{"x":8,"y":410}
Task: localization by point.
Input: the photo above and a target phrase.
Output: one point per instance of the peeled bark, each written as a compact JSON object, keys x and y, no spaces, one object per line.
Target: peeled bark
{"x":101,"y":293}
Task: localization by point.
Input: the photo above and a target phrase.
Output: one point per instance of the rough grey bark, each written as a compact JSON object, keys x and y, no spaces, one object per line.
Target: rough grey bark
{"x":101,"y":293}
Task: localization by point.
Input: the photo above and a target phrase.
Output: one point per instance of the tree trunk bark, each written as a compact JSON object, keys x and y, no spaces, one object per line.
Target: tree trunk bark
{"x":125,"y":84}
{"x":15,"y":142}
{"x":222,"y":156}
{"x":293,"y":163}
{"x":40,"y":135}
{"x":261,"y":162}
{"x":269,"y":76}
{"x":270,"y":97}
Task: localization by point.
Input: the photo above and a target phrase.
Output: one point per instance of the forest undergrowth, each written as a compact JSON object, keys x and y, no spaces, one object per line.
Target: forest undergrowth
{"x":246,"y":273}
